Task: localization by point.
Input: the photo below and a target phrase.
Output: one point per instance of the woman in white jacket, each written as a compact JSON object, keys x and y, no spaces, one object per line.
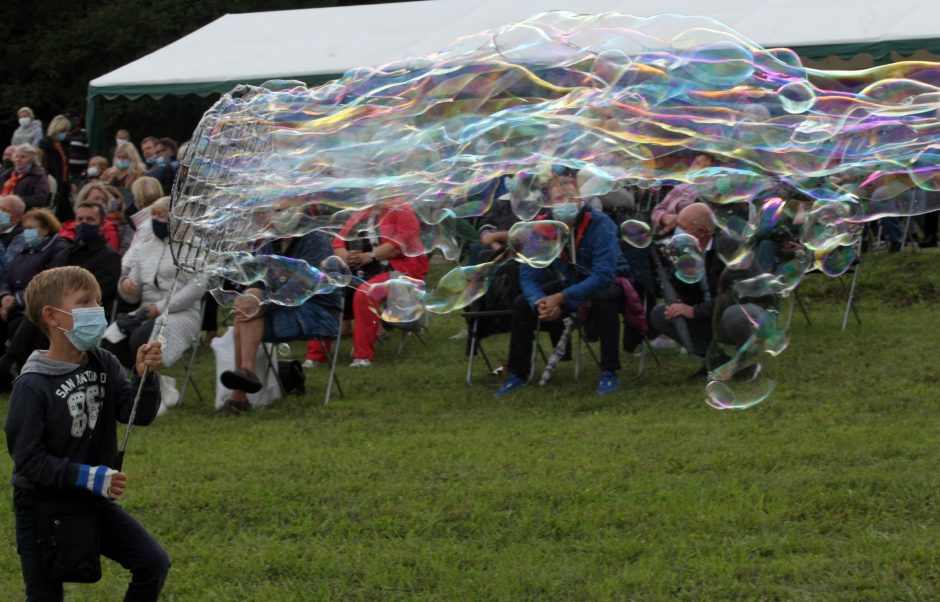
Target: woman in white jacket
{"x":149,"y":282}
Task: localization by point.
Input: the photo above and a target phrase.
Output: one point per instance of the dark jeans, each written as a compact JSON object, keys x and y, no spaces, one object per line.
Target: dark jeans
{"x":123,"y":540}
{"x":126,"y":349}
{"x":700,"y":331}
{"x":606,"y":307}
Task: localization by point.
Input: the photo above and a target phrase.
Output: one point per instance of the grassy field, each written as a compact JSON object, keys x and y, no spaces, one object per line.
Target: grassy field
{"x":416,"y":486}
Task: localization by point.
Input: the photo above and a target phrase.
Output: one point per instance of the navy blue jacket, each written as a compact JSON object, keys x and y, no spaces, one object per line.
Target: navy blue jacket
{"x":598,"y":256}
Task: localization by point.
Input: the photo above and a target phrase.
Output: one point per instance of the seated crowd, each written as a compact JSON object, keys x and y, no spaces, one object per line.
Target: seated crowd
{"x":60,"y":207}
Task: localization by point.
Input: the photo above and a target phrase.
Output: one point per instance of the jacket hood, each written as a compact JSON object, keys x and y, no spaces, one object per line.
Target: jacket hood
{"x":38,"y":363}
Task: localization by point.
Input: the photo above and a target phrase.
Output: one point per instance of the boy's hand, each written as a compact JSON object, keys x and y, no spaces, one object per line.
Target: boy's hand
{"x":149,"y":356}
{"x":118,"y":485}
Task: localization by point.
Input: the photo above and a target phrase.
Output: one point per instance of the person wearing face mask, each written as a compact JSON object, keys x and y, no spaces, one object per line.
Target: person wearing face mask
{"x":41,"y":235}
{"x":91,"y":252}
{"x":12,"y":208}
{"x":148,"y":282}
{"x":165,"y":164}
{"x":587,"y":270}
{"x":8,"y":158}
{"x":56,"y":163}
{"x":27,"y":179}
{"x":61,"y":431}
{"x":127,"y":168}
{"x":29,"y":130}
{"x":106,"y":196}
{"x":77,"y":144}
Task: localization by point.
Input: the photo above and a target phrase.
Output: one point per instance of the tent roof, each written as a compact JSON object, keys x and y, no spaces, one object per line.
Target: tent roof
{"x":318,"y":44}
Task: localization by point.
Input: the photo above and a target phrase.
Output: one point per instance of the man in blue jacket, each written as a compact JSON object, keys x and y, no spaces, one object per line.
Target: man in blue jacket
{"x":586,"y":275}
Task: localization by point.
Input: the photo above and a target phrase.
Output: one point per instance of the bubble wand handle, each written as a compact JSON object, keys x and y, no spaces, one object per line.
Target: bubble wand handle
{"x":119,"y":460}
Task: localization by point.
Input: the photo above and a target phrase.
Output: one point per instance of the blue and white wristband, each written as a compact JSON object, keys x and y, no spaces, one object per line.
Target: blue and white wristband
{"x":96,"y":479}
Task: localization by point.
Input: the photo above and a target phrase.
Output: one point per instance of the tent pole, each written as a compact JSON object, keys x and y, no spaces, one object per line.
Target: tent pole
{"x":93,"y":107}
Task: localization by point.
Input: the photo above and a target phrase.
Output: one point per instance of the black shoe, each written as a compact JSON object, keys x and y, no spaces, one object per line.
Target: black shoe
{"x":699,"y":374}
{"x":241,"y":380}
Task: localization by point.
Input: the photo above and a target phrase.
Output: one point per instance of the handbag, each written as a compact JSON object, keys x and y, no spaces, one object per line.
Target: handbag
{"x":128,"y":323}
{"x":291,"y":375}
{"x":69,"y":537}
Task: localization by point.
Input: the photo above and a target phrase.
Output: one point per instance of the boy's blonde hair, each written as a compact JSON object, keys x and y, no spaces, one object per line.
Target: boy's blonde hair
{"x":51,"y":286}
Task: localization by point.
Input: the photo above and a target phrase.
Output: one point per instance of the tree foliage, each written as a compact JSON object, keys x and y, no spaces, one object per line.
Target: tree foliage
{"x":53,"y":49}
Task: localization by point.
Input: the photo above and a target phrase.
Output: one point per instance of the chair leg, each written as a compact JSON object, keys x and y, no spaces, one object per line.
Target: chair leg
{"x":335,"y":360}
{"x":189,"y":377}
{"x":271,"y":365}
{"x":799,"y":301}
{"x":849,"y":305}
{"x":473,"y":350}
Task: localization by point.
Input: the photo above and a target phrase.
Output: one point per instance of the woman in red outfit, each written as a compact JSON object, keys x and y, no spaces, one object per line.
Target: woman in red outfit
{"x":399,"y":252}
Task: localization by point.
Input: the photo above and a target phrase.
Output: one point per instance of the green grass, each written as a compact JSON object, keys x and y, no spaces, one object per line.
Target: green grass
{"x":416,"y":486}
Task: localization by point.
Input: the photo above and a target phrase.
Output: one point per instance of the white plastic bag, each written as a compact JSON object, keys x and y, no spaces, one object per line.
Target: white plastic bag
{"x":224,"y":349}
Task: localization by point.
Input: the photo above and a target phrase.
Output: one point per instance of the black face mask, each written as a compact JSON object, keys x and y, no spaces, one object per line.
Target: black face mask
{"x":160,"y":229}
{"x":86,"y":232}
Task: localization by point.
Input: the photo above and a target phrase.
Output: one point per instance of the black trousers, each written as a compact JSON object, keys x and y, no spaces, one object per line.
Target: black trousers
{"x":126,"y":349}
{"x":123,"y":540}
{"x":606,"y":307}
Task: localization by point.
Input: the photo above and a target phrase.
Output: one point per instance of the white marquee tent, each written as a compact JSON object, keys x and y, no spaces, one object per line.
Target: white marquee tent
{"x":315,"y":45}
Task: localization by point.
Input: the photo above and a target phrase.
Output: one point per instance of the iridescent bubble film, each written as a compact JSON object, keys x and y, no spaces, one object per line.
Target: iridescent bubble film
{"x":799,"y":159}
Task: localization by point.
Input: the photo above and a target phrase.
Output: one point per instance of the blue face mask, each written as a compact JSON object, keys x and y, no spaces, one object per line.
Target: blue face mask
{"x":151,"y":160}
{"x":32,"y":237}
{"x":122,"y":163}
{"x":160,"y":160}
{"x":566,"y":213}
{"x":60,"y":137}
{"x":5,"y":220}
{"x":88,"y":326}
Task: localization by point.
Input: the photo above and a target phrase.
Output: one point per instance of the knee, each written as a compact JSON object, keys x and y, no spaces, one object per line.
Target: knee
{"x":658,"y":318}
{"x":154,"y":566}
{"x":739,"y":322}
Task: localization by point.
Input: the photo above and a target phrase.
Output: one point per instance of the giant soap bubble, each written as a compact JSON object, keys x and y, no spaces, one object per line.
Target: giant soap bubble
{"x":802,"y":157}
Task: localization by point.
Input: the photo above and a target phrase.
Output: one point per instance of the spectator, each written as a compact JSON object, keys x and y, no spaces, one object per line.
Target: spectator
{"x":545,"y":300}
{"x":12,"y":209}
{"x":78,"y":145}
{"x":8,"y":158}
{"x":56,"y":164}
{"x":121,"y":137}
{"x":666,"y":212}
{"x":128,"y":167}
{"x":695,"y":303}
{"x":97,"y":165}
{"x":398,"y":231}
{"x":148,"y":148}
{"x":145,"y":191}
{"x":41,"y":233}
{"x":317,"y":317}
{"x":149,"y":282}
{"x":29,"y":130}
{"x":107,"y":197}
{"x":27,"y":179}
{"x":165,"y":164}
{"x":91,"y":252}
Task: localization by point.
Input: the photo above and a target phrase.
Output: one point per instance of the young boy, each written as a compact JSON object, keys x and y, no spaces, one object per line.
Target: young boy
{"x":62,"y":431}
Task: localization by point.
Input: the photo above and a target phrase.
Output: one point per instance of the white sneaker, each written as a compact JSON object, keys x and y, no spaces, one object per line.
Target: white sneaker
{"x":162,"y":409}
{"x":663,"y":342}
{"x":309,"y":364}
{"x":460,"y":336}
{"x":360,"y":363}
{"x":168,"y":392}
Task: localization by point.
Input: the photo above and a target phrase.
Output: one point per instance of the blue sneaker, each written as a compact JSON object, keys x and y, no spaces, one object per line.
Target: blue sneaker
{"x":511,"y":384}
{"x":608,"y":384}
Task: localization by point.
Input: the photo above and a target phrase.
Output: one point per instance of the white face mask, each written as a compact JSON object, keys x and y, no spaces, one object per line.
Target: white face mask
{"x":120,"y":141}
{"x":25,"y":121}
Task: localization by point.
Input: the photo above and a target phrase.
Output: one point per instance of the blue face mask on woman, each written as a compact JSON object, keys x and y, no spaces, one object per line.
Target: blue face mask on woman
{"x":88,"y":326}
{"x":122,"y":163}
{"x":32,"y":237}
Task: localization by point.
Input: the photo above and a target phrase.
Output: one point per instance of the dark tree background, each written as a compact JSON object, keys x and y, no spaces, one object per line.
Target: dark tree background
{"x":52,"y":48}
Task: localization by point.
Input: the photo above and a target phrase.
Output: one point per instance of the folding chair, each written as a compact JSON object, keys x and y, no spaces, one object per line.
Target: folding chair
{"x":475,"y":341}
{"x":415,"y":327}
{"x":848,"y":291}
{"x":192,"y":360}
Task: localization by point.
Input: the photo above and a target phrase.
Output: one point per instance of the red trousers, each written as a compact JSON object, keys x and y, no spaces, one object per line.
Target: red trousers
{"x":366,"y":316}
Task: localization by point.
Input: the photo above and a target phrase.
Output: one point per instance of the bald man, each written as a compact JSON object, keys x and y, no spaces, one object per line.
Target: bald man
{"x":695,"y":303}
